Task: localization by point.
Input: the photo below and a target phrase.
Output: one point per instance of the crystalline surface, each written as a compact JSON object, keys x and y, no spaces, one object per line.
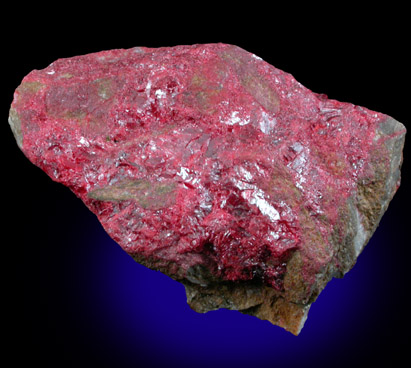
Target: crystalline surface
{"x":218,"y":169}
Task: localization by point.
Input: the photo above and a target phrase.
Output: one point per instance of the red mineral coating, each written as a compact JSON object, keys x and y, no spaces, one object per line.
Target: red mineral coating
{"x":201,"y":154}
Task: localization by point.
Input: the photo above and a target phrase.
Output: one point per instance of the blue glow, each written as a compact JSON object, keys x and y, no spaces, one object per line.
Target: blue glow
{"x":132,"y":313}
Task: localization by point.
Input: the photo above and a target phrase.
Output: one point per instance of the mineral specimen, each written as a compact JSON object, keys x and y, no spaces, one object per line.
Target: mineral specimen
{"x":209,"y":164}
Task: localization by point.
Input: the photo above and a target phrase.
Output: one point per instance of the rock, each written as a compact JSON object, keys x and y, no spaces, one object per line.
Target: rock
{"x":216,"y":168}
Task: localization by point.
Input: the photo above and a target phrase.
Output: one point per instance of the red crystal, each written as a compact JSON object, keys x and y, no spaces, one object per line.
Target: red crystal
{"x":200,"y":155}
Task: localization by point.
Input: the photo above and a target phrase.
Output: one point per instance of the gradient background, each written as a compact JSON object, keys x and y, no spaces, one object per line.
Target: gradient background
{"x":75,"y":299}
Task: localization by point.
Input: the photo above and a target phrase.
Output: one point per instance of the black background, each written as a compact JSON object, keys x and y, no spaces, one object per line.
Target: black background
{"x":350,"y":54}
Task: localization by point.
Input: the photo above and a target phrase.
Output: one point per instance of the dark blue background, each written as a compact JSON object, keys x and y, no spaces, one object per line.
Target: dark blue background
{"x":76,"y":299}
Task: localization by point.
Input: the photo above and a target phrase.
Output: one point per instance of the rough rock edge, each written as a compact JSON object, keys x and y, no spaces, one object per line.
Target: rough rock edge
{"x":15,"y":125}
{"x":363,"y":213}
